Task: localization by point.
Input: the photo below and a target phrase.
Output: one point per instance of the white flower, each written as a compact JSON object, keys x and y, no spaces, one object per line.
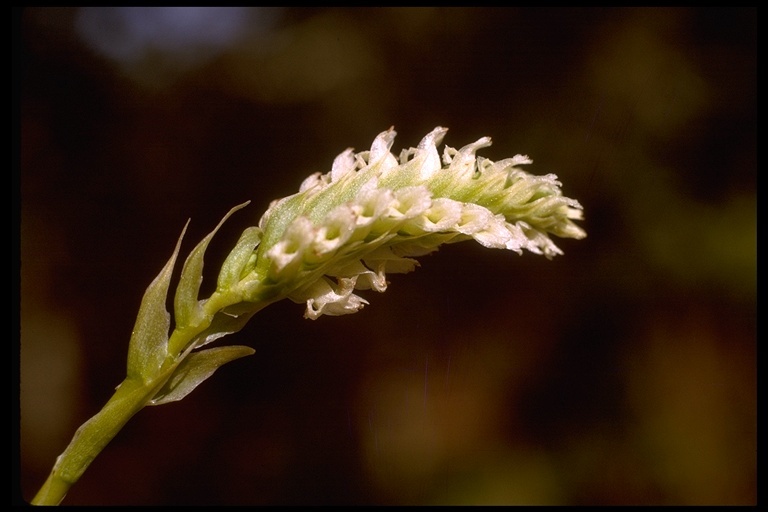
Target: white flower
{"x":324,"y":297}
{"x":373,"y":213}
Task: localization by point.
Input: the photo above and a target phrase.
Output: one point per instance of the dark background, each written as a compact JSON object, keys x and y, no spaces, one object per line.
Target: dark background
{"x":623,"y":372}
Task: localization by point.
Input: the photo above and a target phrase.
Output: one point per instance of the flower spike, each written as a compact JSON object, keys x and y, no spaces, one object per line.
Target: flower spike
{"x":372,"y":213}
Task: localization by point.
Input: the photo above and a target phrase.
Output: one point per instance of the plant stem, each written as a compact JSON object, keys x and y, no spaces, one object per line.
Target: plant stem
{"x":129,"y":398}
{"x":94,"y":435}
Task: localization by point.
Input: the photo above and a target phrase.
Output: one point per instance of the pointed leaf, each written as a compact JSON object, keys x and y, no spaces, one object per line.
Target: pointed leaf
{"x":148,"y":347}
{"x":186,"y":305}
{"x":226,"y":323}
{"x":196,"y":368}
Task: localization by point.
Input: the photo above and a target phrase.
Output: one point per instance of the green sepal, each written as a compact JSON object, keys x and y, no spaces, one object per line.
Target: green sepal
{"x":148,"y":346}
{"x":280,"y":216}
{"x":187,"y":308}
{"x":196,"y":368}
{"x":227,"y":322}
{"x":234,"y":266}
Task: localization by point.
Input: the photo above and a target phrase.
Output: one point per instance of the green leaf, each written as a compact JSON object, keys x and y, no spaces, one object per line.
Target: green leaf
{"x":148,"y":347}
{"x":227,"y":322}
{"x":186,"y":305}
{"x":196,"y":368}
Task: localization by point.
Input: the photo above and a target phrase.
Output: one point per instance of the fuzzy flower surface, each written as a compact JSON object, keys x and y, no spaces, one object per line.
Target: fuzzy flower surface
{"x":373,"y":213}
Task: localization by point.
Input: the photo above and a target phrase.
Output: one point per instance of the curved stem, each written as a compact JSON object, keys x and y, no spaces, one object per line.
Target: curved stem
{"x":93,"y":435}
{"x":129,"y":398}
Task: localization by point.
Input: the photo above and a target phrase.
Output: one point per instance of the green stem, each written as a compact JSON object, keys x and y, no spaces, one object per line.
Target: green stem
{"x":129,"y":398}
{"x":93,"y":435}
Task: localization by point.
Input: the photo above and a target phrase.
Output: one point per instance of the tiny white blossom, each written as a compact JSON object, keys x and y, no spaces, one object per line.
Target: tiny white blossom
{"x":373,"y":213}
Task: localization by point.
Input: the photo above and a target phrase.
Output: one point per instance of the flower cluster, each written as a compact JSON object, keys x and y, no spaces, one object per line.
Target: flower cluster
{"x":343,"y":231}
{"x":373,"y":213}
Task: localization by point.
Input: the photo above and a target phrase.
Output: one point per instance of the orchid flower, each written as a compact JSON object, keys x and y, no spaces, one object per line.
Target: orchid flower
{"x":372,"y":214}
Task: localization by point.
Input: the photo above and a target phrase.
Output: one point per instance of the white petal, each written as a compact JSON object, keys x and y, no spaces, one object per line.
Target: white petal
{"x":385,"y":260}
{"x":499,"y":234}
{"x":343,"y":165}
{"x":312,"y":181}
{"x":288,"y":253}
{"x":381,"y":146}
{"x":463,"y":163}
{"x":411,"y":201}
{"x":474,"y":218}
{"x":442,"y":215}
{"x":326,"y":298}
{"x":366,"y":278}
{"x":427,"y":150}
{"x":371,"y":204}
{"x":520,"y":160}
{"x":334,"y":231}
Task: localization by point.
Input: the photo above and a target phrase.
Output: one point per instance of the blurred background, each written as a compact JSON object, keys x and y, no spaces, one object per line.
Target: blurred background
{"x":623,"y":372}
